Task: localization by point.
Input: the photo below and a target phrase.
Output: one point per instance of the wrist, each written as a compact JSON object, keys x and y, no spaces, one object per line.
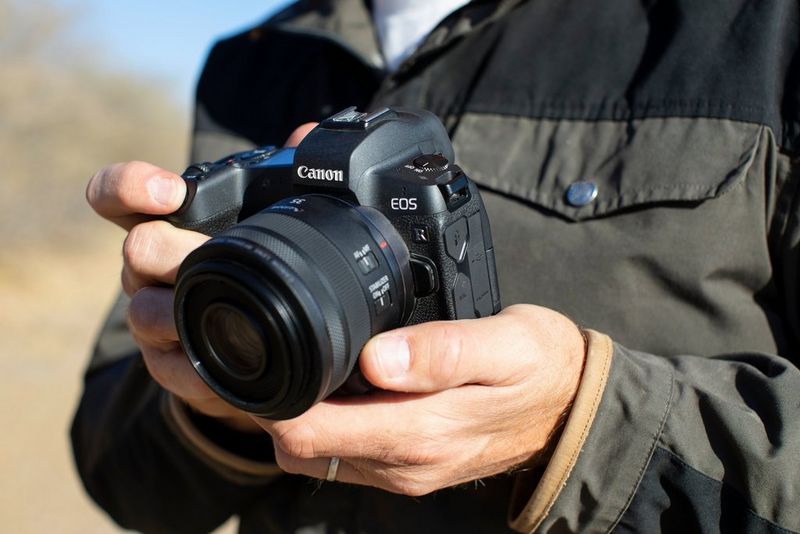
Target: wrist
{"x":574,"y":360}
{"x":538,"y":488}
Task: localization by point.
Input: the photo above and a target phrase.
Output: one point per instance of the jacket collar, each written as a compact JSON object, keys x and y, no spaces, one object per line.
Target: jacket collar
{"x":349,"y":23}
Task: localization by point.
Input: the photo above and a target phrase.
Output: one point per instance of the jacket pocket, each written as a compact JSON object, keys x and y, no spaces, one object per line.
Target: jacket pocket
{"x":589,"y":169}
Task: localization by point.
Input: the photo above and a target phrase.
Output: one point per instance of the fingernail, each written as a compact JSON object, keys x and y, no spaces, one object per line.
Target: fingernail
{"x":163,"y":190}
{"x":394,"y":357}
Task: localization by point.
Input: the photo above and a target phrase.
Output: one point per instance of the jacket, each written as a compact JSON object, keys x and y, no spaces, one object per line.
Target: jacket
{"x":638,"y":164}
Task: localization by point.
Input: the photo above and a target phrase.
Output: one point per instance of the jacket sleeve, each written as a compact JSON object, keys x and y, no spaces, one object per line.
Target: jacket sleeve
{"x":145,"y":459}
{"x":672,"y":444}
{"x":679,"y":443}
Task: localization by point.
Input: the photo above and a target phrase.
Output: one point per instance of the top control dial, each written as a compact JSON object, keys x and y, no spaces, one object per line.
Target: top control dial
{"x":431,"y":163}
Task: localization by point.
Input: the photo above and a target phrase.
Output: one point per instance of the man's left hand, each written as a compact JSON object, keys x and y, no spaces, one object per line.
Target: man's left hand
{"x":458,"y":401}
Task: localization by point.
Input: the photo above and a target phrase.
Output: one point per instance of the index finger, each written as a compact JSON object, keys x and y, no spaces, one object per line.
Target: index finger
{"x":127,"y":193}
{"x":386,"y":426}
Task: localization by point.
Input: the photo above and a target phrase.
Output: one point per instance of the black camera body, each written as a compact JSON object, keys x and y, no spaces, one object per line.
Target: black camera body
{"x":366,"y":226}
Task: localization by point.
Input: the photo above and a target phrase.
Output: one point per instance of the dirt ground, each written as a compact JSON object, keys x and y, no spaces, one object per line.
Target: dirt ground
{"x":51,"y":305}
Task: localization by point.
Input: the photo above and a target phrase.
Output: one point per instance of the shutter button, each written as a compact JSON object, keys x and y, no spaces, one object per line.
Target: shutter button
{"x":581,"y":193}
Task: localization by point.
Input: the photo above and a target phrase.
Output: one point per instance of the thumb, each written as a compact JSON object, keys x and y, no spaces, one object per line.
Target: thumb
{"x":440,"y":355}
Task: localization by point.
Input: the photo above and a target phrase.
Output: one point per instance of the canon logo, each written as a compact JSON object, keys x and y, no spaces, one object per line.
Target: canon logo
{"x":320,"y":174}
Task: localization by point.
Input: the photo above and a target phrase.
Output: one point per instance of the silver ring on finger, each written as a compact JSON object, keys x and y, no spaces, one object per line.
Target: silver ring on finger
{"x":333,"y":467}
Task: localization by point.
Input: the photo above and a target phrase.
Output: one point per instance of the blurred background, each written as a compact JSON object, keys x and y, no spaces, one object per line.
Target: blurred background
{"x":83,"y":83}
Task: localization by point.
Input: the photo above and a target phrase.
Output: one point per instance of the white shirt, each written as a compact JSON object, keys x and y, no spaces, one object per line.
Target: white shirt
{"x":403,"y":24}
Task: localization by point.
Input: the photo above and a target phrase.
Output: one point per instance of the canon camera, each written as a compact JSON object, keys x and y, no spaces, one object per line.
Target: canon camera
{"x":366,"y":226}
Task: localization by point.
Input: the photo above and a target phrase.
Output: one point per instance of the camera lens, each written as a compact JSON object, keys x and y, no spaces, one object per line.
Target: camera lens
{"x":274,"y":311}
{"x":235,"y":341}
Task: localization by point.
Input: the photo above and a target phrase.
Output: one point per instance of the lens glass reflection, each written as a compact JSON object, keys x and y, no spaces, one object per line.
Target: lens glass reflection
{"x":234,"y":340}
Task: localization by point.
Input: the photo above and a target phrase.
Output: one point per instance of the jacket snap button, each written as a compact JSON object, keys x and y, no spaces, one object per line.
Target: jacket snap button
{"x":581,"y":193}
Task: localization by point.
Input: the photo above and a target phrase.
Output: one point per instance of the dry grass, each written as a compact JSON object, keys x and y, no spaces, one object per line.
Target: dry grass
{"x":62,"y":116}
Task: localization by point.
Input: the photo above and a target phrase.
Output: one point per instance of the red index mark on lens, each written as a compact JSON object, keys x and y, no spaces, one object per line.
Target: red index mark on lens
{"x":383,"y":245}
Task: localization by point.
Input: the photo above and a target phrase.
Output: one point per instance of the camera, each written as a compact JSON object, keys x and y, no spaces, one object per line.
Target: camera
{"x":366,"y":226}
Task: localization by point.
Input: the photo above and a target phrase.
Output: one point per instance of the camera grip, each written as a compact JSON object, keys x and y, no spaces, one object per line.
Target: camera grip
{"x":205,"y":212}
{"x":210,"y":226}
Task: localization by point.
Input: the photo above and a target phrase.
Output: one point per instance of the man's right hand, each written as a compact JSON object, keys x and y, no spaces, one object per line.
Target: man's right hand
{"x":132,"y":195}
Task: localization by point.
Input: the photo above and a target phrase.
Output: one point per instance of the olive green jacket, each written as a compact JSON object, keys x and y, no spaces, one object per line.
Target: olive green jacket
{"x":637,"y":163}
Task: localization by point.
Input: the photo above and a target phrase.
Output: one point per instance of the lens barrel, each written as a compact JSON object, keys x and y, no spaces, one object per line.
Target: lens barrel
{"x":274,"y":311}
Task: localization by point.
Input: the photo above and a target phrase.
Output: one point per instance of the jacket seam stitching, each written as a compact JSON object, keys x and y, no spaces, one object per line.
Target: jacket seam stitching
{"x":646,"y":462}
{"x":749,"y":508}
{"x":607,"y":355}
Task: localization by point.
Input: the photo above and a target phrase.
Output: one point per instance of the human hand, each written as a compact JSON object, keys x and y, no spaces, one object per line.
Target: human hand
{"x":461,"y":400}
{"x":130,"y":195}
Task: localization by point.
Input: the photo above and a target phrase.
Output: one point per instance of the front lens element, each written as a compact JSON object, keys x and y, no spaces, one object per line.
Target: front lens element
{"x":234,"y":340}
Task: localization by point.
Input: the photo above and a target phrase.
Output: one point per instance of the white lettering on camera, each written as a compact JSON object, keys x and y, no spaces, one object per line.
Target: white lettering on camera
{"x":404,"y":204}
{"x":380,"y":287}
{"x":328,"y":175}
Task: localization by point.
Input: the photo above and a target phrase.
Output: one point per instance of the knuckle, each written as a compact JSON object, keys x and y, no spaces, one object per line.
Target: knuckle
{"x":428,"y":445}
{"x":520,"y":317}
{"x":287,"y":463}
{"x":112,"y":182}
{"x":130,"y":182}
{"x":444,"y":365}
{"x":140,"y":245}
{"x":435,"y":453}
{"x":136,"y":167}
{"x":412,"y":486}
{"x":519,"y":309}
{"x":135,"y":242}
{"x":518,"y":323}
{"x":297,"y":441}
{"x":429,"y":452}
